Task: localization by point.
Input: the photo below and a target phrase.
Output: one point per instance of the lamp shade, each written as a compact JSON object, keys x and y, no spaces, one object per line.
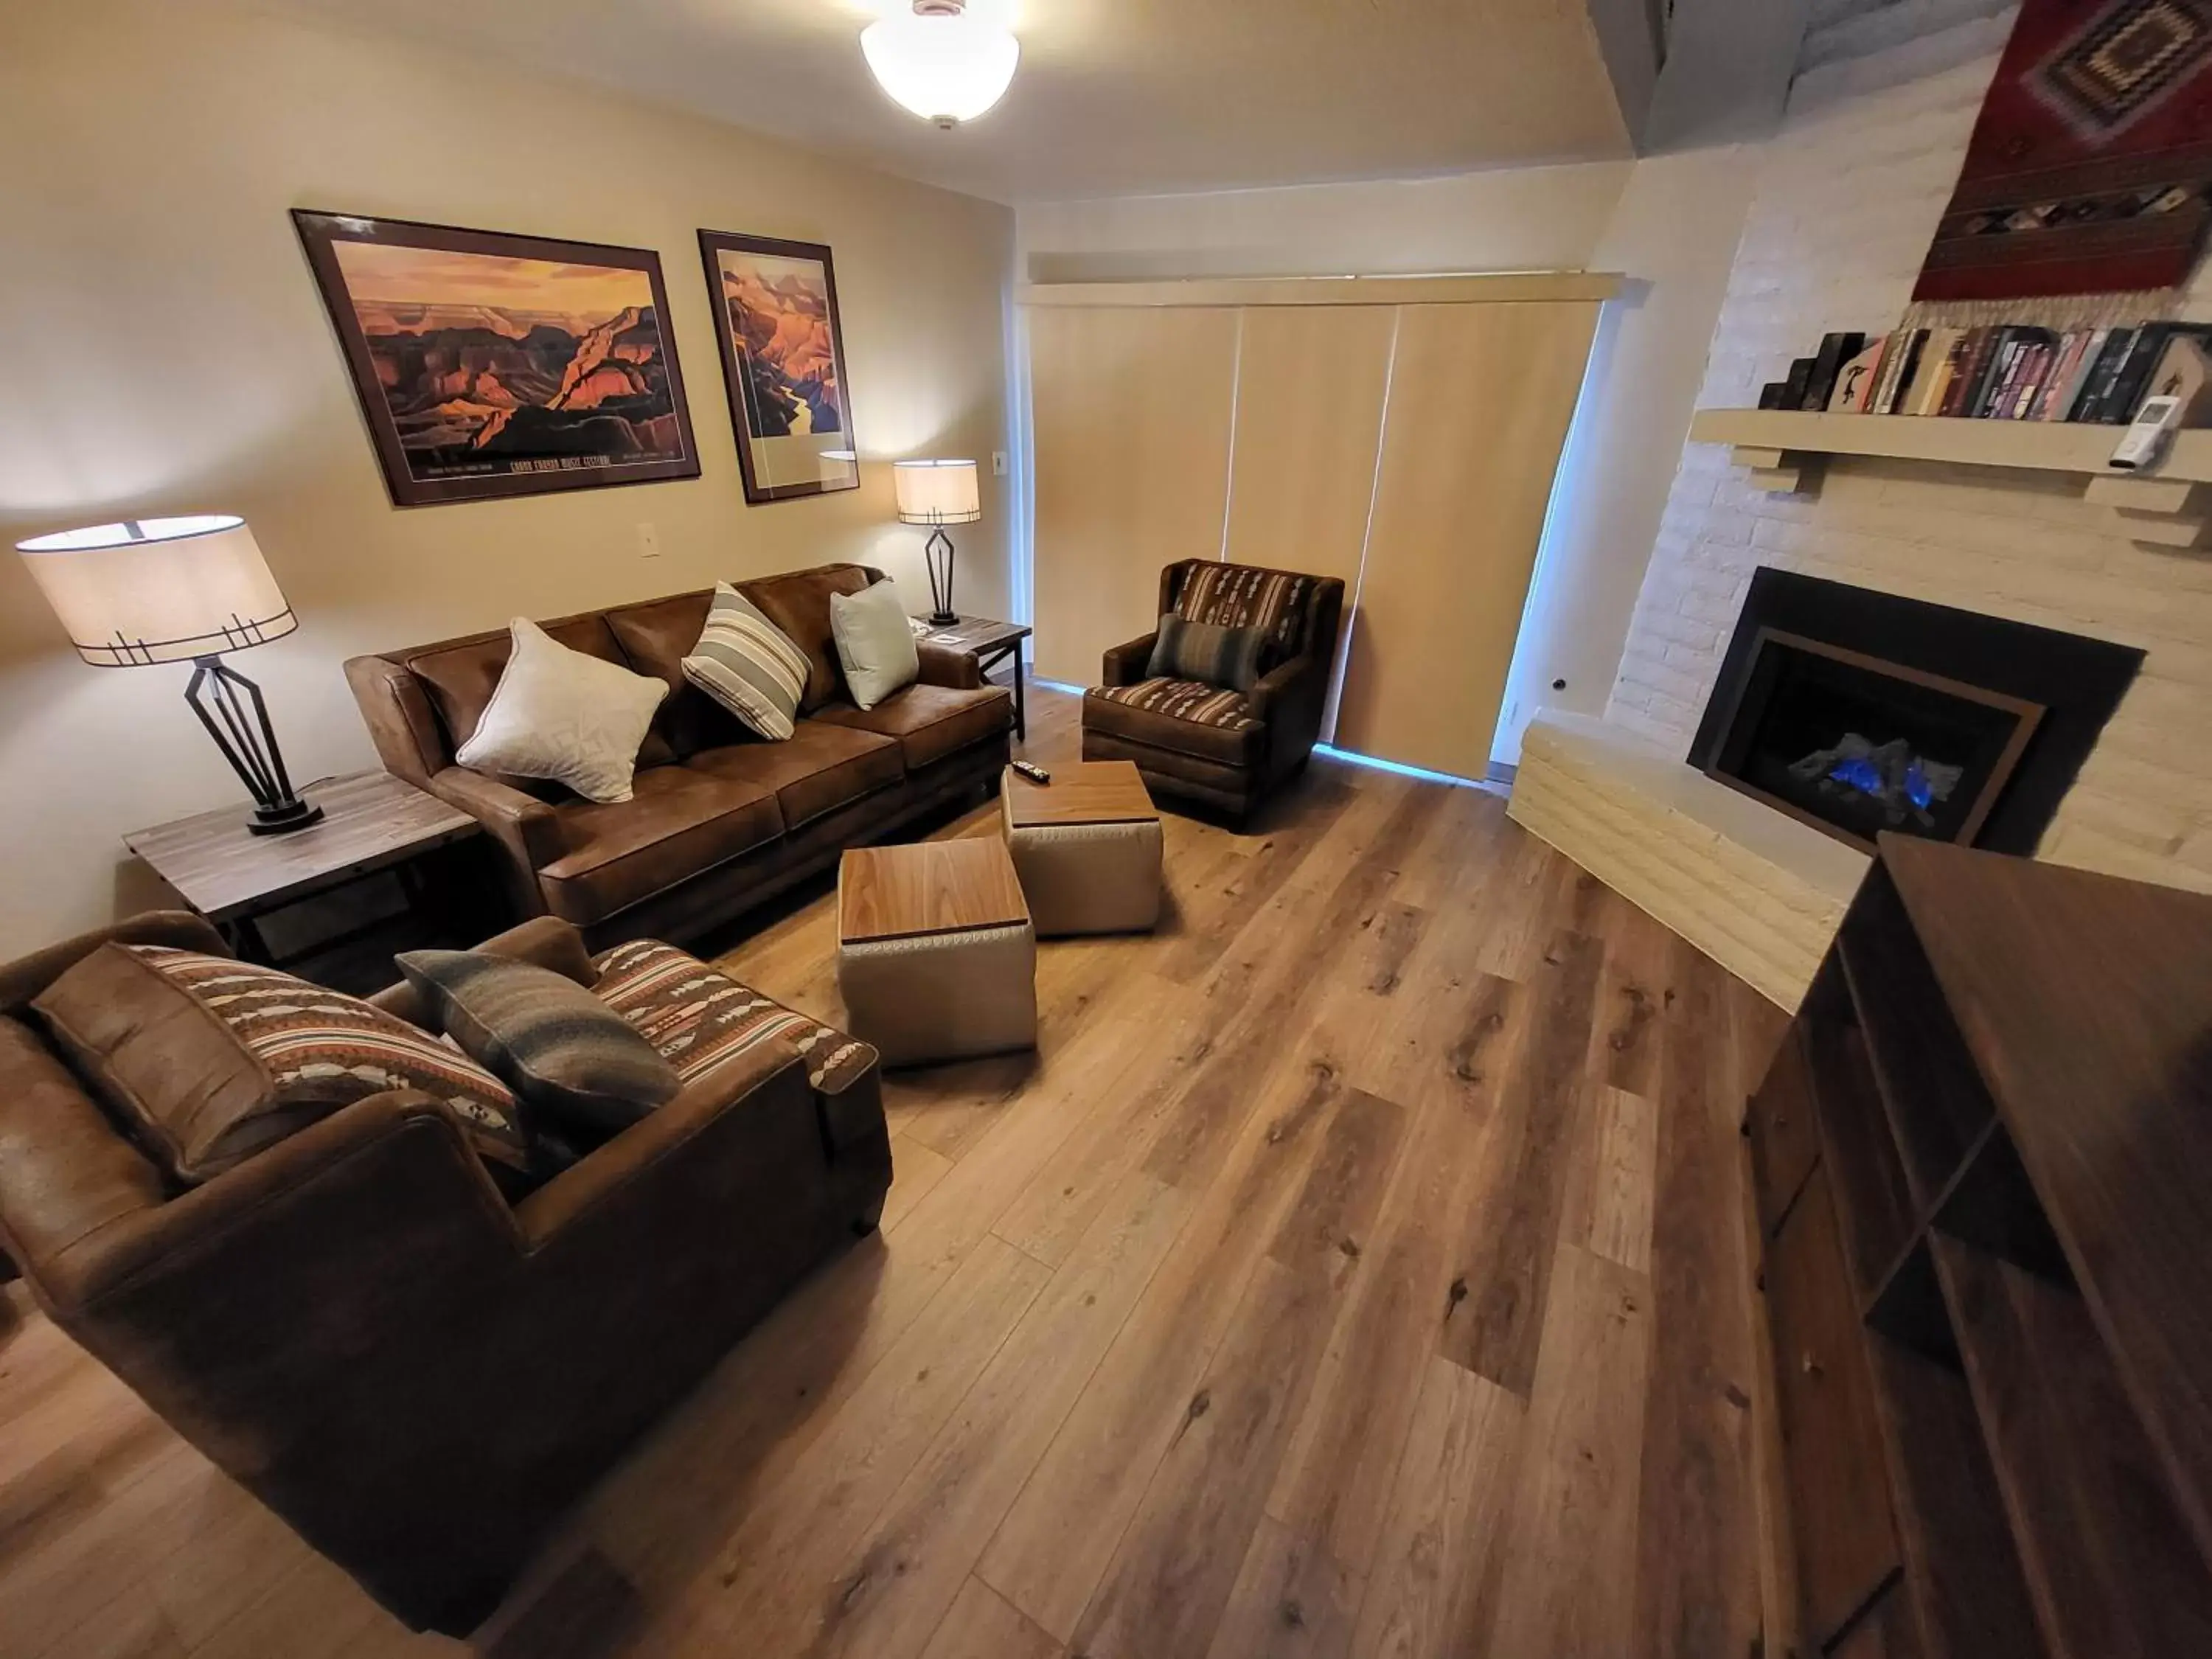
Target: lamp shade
{"x":941,"y":61}
{"x":936,"y":492}
{"x":159,"y":590}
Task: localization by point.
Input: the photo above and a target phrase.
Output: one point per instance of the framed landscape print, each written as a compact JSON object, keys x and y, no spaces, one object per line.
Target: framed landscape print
{"x":491,"y":365}
{"x":783,"y":361}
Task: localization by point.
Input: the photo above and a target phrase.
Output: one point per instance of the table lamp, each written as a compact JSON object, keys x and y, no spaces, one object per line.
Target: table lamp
{"x":171,"y":589}
{"x":937,"y":494}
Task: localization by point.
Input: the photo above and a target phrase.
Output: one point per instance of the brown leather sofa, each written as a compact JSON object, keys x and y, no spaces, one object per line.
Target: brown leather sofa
{"x":357,"y":1328}
{"x":721,"y":820}
{"x":1209,"y":744}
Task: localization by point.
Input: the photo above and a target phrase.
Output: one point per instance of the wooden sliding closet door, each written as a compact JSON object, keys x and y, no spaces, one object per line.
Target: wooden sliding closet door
{"x":1310,"y":387}
{"x":1480,"y":398}
{"x":1130,"y":409}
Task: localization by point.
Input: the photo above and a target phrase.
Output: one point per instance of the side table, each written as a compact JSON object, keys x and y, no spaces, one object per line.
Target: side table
{"x":989,"y":643}
{"x":372,"y":822}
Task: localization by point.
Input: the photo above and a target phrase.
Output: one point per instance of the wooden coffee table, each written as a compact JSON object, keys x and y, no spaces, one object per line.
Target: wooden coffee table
{"x":1087,"y":846}
{"x":936,"y":955}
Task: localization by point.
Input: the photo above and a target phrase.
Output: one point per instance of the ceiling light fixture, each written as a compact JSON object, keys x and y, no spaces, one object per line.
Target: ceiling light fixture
{"x":940,"y":62}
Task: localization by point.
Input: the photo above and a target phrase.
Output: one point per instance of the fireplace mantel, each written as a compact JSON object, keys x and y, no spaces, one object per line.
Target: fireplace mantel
{"x":1783,"y":448}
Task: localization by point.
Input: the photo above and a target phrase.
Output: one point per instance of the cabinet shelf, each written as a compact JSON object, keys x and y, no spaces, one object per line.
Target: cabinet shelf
{"x":1982,"y":1269}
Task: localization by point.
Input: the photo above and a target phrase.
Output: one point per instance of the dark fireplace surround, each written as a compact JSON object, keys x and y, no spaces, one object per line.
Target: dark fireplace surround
{"x":1859,"y":712}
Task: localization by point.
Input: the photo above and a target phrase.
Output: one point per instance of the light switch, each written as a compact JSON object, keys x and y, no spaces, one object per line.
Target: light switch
{"x":998,"y":463}
{"x":648,"y":542}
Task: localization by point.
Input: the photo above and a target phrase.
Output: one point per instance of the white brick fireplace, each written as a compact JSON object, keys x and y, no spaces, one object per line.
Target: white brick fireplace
{"x":1848,"y":199}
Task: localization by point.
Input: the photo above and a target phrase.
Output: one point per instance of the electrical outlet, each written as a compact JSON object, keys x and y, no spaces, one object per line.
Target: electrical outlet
{"x":648,"y":542}
{"x":998,"y":463}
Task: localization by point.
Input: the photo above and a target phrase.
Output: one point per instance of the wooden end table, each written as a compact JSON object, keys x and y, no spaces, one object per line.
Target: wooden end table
{"x":989,"y":643}
{"x":372,"y":822}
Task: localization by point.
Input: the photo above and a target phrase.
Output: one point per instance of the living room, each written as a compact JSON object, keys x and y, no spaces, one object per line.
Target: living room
{"x":1419,"y":1124}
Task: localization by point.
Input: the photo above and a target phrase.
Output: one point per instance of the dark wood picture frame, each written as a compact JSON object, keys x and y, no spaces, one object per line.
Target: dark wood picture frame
{"x":560,"y":467}
{"x":748,"y":419}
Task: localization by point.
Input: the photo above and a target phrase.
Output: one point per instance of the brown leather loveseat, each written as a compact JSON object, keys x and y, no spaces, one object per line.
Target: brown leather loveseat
{"x":721,"y":820}
{"x":355,"y":1325}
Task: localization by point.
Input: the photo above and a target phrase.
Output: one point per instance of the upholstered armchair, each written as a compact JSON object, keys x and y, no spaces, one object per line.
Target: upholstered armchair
{"x":1213,"y":743}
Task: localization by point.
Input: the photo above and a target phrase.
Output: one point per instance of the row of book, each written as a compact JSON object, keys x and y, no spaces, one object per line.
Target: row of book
{"x":2098,"y":375}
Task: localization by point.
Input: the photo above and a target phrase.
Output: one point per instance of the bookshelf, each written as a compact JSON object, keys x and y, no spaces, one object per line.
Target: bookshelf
{"x":1980,"y":1168}
{"x":1783,"y":448}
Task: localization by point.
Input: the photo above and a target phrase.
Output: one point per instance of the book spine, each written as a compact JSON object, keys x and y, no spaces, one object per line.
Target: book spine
{"x":2032,"y":372}
{"x":2099,"y":388}
{"x":1973,"y":364}
{"x":1909,"y":368}
{"x":1996,"y":386}
{"x":2059,"y":373}
{"x":2077,"y":375}
{"x":2127,"y":386}
{"x":1886,"y":372}
{"x":1925,"y":396}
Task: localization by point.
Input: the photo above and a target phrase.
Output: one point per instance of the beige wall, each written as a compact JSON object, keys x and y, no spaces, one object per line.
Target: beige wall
{"x":166,"y":352}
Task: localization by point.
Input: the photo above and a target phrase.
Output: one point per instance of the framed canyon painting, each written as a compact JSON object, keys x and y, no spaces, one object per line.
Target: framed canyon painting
{"x":491,"y":365}
{"x":783,"y":361}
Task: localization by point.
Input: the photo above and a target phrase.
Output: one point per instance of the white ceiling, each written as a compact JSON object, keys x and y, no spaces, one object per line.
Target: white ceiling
{"x":1113,"y":96}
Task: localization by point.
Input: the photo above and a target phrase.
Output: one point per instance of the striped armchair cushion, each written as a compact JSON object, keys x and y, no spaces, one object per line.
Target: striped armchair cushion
{"x":1184,"y":700}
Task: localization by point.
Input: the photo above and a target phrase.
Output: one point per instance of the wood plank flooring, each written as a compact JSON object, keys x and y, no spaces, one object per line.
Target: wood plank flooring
{"x":1355,"y":1269}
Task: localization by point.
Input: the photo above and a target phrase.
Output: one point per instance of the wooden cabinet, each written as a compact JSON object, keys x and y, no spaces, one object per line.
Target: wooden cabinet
{"x":1982,"y":1181}
{"x":1824,"y":1394}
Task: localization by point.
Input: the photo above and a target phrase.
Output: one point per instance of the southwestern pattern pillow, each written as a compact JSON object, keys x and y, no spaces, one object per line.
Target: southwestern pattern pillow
{"x":207,"y":1060}
{"x":563,"y":1051}
{"x":748,"y":665}
{"x":1239,"y":596}
{"x":698,"y":1017}
{"x":1206,"y":652}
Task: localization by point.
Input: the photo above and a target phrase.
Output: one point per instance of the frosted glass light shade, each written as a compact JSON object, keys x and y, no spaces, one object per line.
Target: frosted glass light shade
{"x":936,"y":492}
{"x":946,"y":66}
{"x":159,"y":590}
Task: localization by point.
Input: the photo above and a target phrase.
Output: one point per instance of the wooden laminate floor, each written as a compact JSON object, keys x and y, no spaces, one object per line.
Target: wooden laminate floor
{"x":1357,"y":1268}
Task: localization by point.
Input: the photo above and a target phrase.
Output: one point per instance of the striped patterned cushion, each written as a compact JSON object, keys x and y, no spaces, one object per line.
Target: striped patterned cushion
{"x":1239,"y":596}
{"x":210,"y":1060}
{"x":1185,"y":700}
{"x":1207,"y":652}
{"x":567,"y":1054}
{"x":748,"y":665}
{"x":699,"y":1018}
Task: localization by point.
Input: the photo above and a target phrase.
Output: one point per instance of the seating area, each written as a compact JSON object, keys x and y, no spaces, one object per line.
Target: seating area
{"x":720,"y":821}
{"x":1190,"y":831}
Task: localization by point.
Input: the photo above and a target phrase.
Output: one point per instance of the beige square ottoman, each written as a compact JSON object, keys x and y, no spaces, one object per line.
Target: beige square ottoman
{"x":936,"y":956}
{"x":1087,"y":847}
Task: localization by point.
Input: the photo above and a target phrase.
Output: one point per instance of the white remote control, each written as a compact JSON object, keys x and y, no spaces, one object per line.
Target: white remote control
{"x":2146,"y":436}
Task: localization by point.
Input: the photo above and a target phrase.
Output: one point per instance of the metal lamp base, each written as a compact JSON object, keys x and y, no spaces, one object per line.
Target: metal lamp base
{"x":937,"y":556}
{"x":230,"y":707}
{"x":282,"y":819}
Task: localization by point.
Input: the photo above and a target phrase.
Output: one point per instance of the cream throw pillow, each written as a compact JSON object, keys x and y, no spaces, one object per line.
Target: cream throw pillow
{"x":562,"y":714}
{"x":873,"y":642}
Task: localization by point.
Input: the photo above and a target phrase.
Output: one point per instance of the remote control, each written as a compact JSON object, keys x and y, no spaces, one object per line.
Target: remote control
{"x":1033,"y":772}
